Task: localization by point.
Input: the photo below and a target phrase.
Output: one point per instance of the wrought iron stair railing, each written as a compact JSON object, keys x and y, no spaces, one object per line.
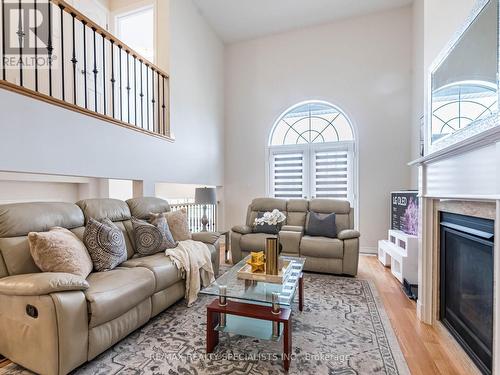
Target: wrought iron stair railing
{"x":71,"y":61}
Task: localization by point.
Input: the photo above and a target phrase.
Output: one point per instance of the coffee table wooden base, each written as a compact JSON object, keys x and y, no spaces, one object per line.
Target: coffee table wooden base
{"x":253,"y":311}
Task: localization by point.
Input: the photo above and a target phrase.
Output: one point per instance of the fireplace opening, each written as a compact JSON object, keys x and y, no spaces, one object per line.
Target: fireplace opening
{"x":466,"y":284}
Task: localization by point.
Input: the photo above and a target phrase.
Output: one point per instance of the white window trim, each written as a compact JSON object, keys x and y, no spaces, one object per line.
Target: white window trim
{"x":138,"y":7}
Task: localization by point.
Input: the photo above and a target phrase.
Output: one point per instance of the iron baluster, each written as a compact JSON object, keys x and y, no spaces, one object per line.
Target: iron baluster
{"x":112,"y":79}
{"x":147,"y":94}
{"x":104,"y":72}
{"x":164,"y":108}
{"x":135,"y":90}
{"x":128,"y":86}
{"x":95,"y":71}
{"x":142,"y":98}
{"x":74,"y":60}
{"x":50,"y":47}
{"x":36,"y":44}
{"x":85,"y":61}
{"x":20,"y":35}
{"x":62,"y":50}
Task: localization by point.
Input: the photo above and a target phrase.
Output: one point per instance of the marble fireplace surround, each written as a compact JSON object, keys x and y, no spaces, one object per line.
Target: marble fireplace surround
{"x":464,"y":179}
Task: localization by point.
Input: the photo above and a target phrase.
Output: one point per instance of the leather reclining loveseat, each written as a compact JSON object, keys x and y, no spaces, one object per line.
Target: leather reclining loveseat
{"x":329,"y":255}
{"x":51,"y":323}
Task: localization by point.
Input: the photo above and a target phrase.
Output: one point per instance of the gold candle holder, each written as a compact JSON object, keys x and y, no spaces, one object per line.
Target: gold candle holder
{"x":271,"y":256}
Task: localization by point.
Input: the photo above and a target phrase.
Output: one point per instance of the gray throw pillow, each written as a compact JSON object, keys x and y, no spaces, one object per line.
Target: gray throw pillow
{"x":265,"y":228}
{"x":321,"y":225}
{"x":105,"y":243}
{"x":152,"y":238}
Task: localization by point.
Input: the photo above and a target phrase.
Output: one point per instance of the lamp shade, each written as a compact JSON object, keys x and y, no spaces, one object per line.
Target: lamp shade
{"x":205,"y":196}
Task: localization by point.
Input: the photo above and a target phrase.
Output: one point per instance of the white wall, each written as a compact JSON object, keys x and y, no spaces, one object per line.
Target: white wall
{"x":363,"y":65}
{"x":419,"y":77}
{"x":37,"y":137}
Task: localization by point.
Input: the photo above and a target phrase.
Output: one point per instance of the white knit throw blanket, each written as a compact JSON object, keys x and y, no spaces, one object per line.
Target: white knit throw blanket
{"x":192,"y":258}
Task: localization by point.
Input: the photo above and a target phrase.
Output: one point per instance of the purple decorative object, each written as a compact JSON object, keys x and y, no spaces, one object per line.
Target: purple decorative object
{"x":410,"y":218}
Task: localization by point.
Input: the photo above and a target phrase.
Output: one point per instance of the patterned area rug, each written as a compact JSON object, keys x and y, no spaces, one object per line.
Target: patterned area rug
{"x":342,"y":330}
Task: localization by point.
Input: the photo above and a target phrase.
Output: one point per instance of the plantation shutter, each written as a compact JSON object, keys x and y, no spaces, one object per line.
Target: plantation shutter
{"x":287,"y":174}
{"x":332,"y":173}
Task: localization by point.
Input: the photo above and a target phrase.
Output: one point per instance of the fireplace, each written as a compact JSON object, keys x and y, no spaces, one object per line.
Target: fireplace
{"x":466,"y":284}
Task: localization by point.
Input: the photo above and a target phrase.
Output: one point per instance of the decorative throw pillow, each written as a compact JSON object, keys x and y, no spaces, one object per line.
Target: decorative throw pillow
{"x":178,"y":224}
{"x":152,"y":238}
{"x":105,"y":243}
{"x":60,"y":250}
{"x":265,"y":228}
{"x":321,"y":225}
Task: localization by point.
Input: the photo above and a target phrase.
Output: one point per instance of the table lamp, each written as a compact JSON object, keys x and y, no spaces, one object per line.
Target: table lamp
{"x":205,"y":196}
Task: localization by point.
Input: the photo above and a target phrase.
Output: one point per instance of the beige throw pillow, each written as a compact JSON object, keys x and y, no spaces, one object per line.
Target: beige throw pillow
{"x":178,"y":224}
{"x":60,"y":250}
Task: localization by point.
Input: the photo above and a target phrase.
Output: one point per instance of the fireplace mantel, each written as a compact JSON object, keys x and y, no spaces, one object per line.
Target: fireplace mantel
{"x":483,"y":139}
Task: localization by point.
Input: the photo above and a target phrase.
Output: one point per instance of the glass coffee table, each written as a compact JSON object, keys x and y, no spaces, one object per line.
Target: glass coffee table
{"x":255,"y":308}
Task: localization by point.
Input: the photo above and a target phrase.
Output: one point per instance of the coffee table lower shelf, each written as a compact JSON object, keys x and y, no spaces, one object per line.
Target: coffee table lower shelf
{"x":253,"y":311}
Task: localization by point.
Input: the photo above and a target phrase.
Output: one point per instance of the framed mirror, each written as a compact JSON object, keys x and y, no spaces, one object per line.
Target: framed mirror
{"x":464,"y":88}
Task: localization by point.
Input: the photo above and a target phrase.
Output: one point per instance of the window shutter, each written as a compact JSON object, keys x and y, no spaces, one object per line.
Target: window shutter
{"x":331,"y":174}
{"x":287,"y":174}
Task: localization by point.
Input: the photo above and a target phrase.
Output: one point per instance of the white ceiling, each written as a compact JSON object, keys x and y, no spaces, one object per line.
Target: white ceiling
{"x":236,"y":20}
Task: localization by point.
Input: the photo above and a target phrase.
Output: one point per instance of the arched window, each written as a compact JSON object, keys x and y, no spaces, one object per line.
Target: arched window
{"x":311,"y":153}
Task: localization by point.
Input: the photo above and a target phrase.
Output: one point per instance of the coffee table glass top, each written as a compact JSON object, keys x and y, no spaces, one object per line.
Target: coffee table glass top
{"x":258,"y":291}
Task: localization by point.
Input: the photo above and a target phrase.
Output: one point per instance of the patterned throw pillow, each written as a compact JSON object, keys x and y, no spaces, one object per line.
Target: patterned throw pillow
{"x":152,"y":238}
{"x":105,"y":243}
{"x":178,"y":224}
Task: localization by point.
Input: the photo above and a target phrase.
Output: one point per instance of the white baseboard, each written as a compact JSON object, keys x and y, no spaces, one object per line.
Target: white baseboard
{"x":368,"y":250}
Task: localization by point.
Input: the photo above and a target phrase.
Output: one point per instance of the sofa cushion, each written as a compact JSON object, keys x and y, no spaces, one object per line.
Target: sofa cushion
{"x":98,"y":209}
{"x":60,"y":250}
{"x":296,"y":212}
{"x":321,"y":247}
{"x":17,"y":257}
{"x":164,"y":270}
{"x":113,"y":293}
{"x":105,"y":243}
{"x":327,"y":206}
{"x":142,"y":207}
{"x":18,"y":219}
{"x":254,"y":241}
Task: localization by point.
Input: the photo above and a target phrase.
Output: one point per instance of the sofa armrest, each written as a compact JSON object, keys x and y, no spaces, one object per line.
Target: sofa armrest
{"x":290,"y":242}
{"x":37,"y":284}
{"x":348,"y":234}
{"x":292,"y":228}
{"x":206,"y":237}
{"x":242,"y":229}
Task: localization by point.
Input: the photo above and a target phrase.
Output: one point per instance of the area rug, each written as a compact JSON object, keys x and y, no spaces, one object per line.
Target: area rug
{"x":342,"y":330}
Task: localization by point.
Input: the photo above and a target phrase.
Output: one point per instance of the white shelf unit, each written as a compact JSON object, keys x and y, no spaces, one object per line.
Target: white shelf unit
{"x":400,"y":252}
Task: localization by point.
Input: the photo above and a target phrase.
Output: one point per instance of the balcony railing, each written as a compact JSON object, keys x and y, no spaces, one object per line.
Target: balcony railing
{"x":71,"y":61}
{"x":195,"y":214}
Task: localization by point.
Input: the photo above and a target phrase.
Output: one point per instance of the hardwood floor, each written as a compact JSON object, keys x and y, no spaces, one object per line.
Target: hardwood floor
{"x":427,"y":350}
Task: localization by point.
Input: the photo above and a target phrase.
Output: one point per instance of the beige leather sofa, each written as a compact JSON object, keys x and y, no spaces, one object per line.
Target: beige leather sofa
{"x":52,"y":323}
{"x":330,"y":255}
